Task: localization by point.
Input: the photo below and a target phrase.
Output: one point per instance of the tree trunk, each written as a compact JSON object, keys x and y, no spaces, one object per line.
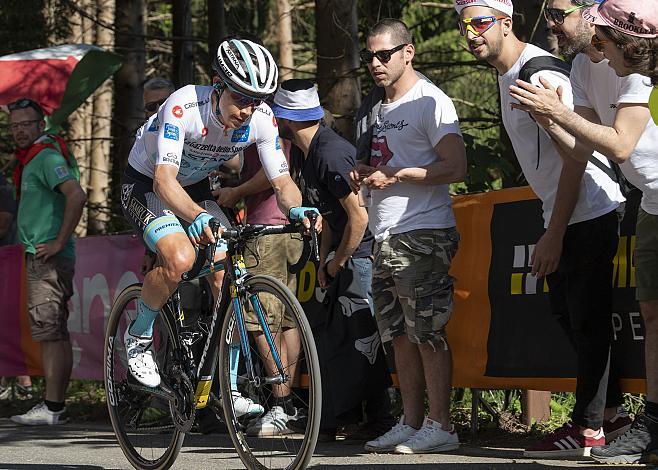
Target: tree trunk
{"x":99,"y":176}
{"x":183,"y":70}
{"x":80,"y":120}
{"x":284,"y":38}
{"x":216,"y":25}
{"x":128,"y":82}
{"x":529,"y":23}
{"x":338,"y":61}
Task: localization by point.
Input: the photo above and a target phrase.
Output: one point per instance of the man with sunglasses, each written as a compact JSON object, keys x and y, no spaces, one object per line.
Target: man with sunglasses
{"x":579,"y":202}
{"x":156,"y":91}
{"x":166,"y":183}
{"x":49,"y":208}
{"x":611,"y":115}
{"x":413,"y":151}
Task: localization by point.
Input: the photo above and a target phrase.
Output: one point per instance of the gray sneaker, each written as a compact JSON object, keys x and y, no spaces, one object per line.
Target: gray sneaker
{"x":629,"y":447}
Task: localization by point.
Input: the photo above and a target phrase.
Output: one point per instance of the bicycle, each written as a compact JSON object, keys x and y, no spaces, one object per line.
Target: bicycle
{"x":150,"y":423}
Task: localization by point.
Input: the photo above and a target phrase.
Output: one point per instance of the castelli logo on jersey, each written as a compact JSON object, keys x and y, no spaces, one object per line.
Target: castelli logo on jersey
{"x":177,"y":111}
{"x":204,"y":132}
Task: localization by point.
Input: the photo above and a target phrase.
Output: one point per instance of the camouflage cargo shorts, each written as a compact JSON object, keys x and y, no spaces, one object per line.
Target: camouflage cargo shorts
{"x":412,"y":288}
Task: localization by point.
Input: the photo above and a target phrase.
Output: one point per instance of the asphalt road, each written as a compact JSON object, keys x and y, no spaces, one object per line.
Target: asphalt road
{"x":93,"y":447}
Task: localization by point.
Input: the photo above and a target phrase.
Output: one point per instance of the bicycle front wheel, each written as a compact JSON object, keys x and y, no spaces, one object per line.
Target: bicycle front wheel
{"x":284,"y":434}
{"x":142,"y":422}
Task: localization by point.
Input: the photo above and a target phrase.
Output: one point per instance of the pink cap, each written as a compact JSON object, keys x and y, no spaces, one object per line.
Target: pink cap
{"x":633,"y":17}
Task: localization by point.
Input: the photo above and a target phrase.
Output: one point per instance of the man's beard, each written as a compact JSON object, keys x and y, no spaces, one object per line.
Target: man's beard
{"x":580,"y":43}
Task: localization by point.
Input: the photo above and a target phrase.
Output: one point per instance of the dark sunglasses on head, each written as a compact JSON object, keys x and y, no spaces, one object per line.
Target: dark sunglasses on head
{"x":558,"y":15}
{"x":152,"y":106}
{"x":24,"y":103}
{"x":383,"y":56}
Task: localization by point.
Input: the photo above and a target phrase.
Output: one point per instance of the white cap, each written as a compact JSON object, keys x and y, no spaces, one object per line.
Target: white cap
{"x":504,"y":6}
{"x":297,"y":100}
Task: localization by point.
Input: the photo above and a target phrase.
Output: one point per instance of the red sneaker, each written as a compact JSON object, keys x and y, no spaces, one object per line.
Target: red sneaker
{"x":565,"y":442}
{"x":617,"y":425}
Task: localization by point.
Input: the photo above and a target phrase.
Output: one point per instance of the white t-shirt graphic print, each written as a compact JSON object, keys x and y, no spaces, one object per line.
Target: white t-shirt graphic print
{"x":405,"y":134}
{"x":597,"y":86}
{"x":542,"y":164}
{"x":186,"y":133}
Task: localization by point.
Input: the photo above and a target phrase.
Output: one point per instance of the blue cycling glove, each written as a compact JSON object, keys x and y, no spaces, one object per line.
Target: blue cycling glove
{"x":200,"y":222}
{"x":297,"y":214}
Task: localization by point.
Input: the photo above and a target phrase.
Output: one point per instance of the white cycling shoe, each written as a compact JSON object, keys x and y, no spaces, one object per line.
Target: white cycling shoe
{"x":141,"y":364}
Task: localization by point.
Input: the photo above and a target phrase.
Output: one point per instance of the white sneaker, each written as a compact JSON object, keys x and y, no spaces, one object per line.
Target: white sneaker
{"x":396,"y":435}
{"x":245,"y":406}
{"x":141,"y":364}
{"x":430,"y":438}
{"x":39,"y":415}
{"x":272,"y":423}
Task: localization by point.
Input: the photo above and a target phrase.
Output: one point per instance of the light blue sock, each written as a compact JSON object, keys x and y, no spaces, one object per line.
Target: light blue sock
{"x":143,"y":324}
{"x":234,"y":354}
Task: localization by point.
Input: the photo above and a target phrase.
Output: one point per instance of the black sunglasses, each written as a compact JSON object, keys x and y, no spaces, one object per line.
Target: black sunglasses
{"x":25,"y":103}
{"x":557,"y":15}
{"x":383,"y":56}
{"x":152,"y":106}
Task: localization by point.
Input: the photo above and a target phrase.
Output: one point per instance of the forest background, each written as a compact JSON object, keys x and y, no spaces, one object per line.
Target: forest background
{"x":314,"y":39}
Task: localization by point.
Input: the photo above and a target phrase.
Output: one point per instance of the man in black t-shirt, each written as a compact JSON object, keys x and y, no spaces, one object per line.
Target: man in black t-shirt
{"x":352,"y":359}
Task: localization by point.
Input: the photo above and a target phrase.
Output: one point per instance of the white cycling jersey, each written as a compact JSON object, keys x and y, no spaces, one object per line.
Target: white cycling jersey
{"x":186,"y":133}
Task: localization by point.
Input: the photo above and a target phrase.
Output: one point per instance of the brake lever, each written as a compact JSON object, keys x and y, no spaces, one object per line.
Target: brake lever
{"x":310,"y":245}
{"x":214,"y":227}
{"x":313,"y":217}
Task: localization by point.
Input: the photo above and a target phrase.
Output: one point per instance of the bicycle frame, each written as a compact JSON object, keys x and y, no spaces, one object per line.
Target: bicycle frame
{"x":235,"y":285}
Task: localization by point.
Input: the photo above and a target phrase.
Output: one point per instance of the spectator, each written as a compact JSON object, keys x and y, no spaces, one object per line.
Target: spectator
{"x":576,"y":251}
{"x":50,"y":205}
{"x":23,"y":386}
{"x":352,"y":360}
{"x":156,"y":92}
{"x":628,"y":37}
{"x":414,"y":149}
{"x":612,"y":115}
{"x":275,"y":254}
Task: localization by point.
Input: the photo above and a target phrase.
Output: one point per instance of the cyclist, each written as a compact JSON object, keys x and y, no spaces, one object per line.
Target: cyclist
{"x":165,"y":191}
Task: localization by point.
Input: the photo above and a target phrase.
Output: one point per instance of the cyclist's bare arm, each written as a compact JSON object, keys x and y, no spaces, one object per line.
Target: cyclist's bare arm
{"x":169,"y":190}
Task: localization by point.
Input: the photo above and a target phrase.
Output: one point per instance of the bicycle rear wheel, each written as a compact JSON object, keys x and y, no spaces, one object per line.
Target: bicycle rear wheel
{"x":289,"y":447}
{"x":142,"y":423}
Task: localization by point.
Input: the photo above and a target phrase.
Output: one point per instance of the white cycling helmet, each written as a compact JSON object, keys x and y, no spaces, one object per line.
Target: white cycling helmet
{"x":247,"y":67}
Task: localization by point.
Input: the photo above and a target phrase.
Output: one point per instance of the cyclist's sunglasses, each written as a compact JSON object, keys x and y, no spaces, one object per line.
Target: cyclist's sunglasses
{"x":25,"y":103}
{"x":242,"y":100}
{"x":478,"y":25}
{"x":557,"y":15}
{"x":383,"y":56}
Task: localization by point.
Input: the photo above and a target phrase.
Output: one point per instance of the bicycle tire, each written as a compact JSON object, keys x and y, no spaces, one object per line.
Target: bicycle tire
{"x":114,"y":383}
{"x":243,"y":443}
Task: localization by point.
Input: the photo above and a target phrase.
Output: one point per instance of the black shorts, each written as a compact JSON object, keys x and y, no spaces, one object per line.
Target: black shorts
{"x":151,"y":217}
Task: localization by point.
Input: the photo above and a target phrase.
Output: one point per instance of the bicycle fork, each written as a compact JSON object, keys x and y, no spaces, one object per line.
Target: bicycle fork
{"x":238,"y":292}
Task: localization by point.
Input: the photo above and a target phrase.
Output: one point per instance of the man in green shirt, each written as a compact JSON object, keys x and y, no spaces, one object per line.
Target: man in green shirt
{"x":49,"y":208}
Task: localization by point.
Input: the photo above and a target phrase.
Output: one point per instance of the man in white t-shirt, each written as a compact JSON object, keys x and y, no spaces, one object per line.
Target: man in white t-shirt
{"x":577,"y":249}
{"x":611,"y":115}
{"x":416,"y":151}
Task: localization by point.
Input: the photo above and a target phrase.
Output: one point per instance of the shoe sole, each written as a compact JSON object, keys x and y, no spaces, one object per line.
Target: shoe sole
{"x":432,"y":450}
{"x":274,"y":433}
{"x":616,"y":433}
{"x":379,"y":450}
{"x":618,"y":459}
{"x":557,"y":454}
